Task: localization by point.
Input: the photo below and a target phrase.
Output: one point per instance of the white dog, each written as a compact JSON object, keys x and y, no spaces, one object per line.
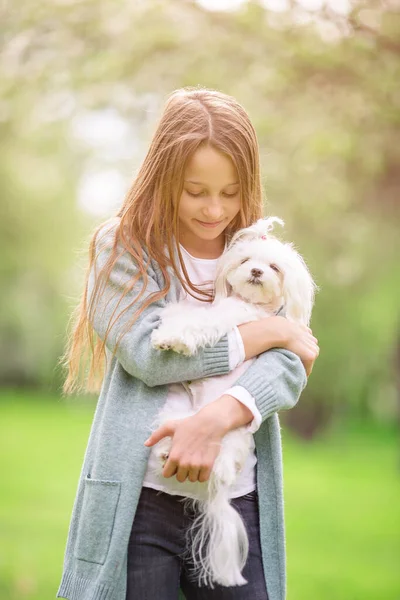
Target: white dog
{"x":256,"y":276}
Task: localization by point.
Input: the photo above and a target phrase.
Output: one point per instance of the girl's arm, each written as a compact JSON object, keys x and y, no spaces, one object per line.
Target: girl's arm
{"x":275,"y":380}
{"x":135,"y":351}
{"x":248,"y":402}
{"x":237,"y":403}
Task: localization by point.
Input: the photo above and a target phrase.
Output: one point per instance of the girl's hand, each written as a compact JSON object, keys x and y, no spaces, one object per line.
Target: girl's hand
{"x":300,"y":340}
{"x":196,"y":443}
{"x":308,"y":365}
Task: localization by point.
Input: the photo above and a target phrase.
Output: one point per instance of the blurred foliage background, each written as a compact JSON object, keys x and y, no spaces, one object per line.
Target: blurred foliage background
{"x":82,"y":84}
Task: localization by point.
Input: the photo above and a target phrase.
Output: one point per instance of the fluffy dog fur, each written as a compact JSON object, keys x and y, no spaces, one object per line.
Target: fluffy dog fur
{"x":256,"y":275}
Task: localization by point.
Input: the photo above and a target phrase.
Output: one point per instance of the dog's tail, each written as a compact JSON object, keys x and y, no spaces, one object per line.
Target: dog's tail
{"x":219,"y":546}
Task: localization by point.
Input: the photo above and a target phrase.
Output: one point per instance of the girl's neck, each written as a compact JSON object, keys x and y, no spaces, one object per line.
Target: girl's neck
{"x":202,"y":249}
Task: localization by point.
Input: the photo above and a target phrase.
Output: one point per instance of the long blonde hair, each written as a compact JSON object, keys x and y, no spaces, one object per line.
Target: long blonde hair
{"x":149,"y":214}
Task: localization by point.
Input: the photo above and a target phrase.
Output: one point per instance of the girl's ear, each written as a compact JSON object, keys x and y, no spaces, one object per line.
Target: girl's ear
{"x":298,"y":288}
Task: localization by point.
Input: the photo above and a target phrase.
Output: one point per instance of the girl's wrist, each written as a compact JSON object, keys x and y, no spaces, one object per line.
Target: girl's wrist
{"x":260,"y":336}
{"x":275,"y":331}
{"x":226,"y":413}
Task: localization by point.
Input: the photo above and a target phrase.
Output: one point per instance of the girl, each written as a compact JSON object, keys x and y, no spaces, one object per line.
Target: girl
{"x":198,"y":184}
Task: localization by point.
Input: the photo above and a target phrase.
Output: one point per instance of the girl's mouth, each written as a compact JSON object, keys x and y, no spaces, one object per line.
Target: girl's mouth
{"x":209,"y":224}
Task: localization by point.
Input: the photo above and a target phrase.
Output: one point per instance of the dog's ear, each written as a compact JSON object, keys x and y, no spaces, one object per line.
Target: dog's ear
{"x":260,"y":228}
{"x":222,"y":288}
{"x":298,"y":288}
{"x":264,"y":226}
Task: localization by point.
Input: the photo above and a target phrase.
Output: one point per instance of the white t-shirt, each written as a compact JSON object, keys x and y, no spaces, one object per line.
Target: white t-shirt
{"x":184,"y":395}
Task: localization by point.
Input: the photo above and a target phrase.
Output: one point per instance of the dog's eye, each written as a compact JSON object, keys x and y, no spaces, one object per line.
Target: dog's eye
{"x":244,"y":260}
{"x":274,"y":268}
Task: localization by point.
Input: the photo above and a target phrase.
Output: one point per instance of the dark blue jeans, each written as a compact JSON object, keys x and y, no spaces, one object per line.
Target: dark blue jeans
{"x":156,"y":568}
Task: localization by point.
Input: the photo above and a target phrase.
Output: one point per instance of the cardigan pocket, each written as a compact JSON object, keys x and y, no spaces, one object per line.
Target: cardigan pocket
{"x":96,"y":522}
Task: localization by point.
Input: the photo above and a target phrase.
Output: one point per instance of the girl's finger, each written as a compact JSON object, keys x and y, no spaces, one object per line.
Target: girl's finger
{"x":194,"y":474}
{"x":182,"y":474}
{"x":204,"y":474}
{"x":310,"y":336}
{"x":170,"y":468}
{"x":159,"y":434}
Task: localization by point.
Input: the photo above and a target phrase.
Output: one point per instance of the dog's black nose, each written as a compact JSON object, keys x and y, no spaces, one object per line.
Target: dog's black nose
{"x":257,"y":272}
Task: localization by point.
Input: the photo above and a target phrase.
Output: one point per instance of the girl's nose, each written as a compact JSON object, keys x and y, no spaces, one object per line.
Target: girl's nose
{"x":214,"y":212}
{"x":213,"y":217}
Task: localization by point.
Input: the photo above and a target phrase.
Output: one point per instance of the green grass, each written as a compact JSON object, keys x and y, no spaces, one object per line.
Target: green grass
{"x":341,"y":503}
{"x":343,"y":515}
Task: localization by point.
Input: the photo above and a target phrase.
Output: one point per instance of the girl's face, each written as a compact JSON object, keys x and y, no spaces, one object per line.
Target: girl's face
{"x":210,"y":200}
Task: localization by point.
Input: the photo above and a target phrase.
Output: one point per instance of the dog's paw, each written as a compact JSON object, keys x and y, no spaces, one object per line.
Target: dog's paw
{"x":161,"y":453}
{"x":187,"y":343}
{"x":164,"y":340}
{"x":160,"y":341}
{"x":182,"y":348}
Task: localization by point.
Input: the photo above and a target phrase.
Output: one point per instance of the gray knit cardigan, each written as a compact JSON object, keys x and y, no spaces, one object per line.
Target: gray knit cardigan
{"x":135,"y":387}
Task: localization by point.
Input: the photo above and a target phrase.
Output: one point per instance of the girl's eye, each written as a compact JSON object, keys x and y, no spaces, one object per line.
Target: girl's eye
{"x":198,"y":195}
{"x":275,"y":268}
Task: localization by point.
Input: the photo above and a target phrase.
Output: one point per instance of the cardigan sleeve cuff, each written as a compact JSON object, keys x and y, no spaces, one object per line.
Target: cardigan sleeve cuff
{"x":241,"y":394}
{"x":275,"y":380}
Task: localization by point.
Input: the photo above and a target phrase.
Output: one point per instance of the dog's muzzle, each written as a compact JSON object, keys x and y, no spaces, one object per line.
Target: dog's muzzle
{"x":254,"y":281}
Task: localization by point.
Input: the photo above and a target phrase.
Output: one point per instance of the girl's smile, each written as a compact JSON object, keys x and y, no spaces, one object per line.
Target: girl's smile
{"x":210,"y":224}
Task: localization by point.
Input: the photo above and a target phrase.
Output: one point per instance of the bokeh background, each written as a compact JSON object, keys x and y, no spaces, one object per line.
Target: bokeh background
{"x":82,"y":85}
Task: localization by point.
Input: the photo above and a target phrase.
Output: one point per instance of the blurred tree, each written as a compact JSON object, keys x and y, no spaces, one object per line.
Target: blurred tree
{"x":321,"y":88}
{"x":38,"y":230}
